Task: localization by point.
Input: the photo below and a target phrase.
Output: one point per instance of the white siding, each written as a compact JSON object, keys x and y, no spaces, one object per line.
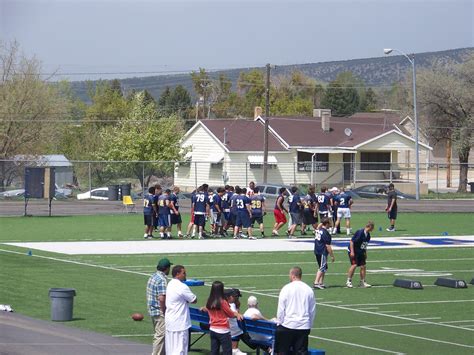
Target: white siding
{"x":392,"y":141}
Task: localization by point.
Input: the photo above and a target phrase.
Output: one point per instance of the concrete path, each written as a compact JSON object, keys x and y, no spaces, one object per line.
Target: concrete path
{"x":24,"y":335}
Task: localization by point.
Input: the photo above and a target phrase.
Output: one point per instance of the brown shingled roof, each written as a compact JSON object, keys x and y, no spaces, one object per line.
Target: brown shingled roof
{"x":247,"y":135}
{"x":242,"y":135}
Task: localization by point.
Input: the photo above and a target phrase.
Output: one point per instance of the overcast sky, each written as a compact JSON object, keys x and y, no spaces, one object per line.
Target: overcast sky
{"x":132,"y":36}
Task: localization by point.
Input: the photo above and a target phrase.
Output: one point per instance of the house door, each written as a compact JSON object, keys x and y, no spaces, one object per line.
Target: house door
{"x":348,"y":160}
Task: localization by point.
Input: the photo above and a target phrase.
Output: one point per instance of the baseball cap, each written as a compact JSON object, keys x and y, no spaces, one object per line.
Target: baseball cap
{"x":164,"y":263}
{"x":232,"y":292}
{"x":252,"y":301}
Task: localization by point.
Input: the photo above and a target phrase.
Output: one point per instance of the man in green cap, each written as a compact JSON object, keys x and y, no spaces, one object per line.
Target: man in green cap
{"x":156,"y":302}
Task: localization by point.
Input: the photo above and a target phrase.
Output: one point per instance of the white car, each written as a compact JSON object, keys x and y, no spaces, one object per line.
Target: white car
{"x":101,"y":193}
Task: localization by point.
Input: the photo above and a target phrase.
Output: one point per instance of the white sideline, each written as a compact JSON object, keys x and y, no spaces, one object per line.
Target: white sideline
{"x":221,"y":245}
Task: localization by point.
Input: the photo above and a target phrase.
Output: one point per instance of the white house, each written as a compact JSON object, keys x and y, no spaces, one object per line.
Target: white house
{"x":323,"y":150}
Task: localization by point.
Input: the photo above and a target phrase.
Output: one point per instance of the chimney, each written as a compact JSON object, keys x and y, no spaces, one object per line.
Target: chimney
{"x":257,"y":112}
{"x":225,"y":136}
{"x":318,"y":112}
{"x":326,"y":121}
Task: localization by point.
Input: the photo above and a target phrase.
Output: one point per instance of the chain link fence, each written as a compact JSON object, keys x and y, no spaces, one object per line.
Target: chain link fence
{"x":74,"y":178}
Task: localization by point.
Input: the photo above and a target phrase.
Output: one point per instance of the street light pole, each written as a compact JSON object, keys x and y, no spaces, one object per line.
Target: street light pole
{"x":415,"y":114}
{"x":265,"y":135}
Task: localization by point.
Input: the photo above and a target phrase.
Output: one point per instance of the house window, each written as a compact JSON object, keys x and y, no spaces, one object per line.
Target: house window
{"x":321,"y":162}
{"x":217,"y":165}
{"x":375,"y":160}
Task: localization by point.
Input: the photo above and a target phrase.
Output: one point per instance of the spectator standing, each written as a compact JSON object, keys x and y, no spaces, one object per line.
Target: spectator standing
{"x":177,"y":317}
{"x":219,"y":314}
{"x":358,"y":254}
{"x":391,"y":207}
{"x":296,"y":311}
{"x":156,"y":304}
{"x":322,"y":249}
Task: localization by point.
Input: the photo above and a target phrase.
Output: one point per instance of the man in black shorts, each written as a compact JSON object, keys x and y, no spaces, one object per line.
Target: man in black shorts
{"x":358,"y":254}
{"x":391,"y":207}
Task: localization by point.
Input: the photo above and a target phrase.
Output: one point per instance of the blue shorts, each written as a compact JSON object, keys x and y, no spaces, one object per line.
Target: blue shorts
{"x":242,"y":220}
{"x":200,"y":220}
{"x":164,"y":220}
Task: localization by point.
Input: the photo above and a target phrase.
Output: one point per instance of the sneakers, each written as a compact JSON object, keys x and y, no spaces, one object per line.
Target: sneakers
{"x":391,"y":229}
{"x":238,"y":352}
{"x":349,"y":284}
{"x":6,"y":308}
{"x":145,"y":236}
{"x":252,"y":238}
{"x":364,"y":284}
{"x":275,"y":234}
{"x":319,"y":286}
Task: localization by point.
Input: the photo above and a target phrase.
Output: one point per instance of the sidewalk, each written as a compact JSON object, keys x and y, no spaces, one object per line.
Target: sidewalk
{"x":24,"y":335}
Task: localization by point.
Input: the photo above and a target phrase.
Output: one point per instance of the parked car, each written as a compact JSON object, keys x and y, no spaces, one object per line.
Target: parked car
{"x":378,"y":191}
{"x":60,"y":193}
{"x":101,"y":193}
{"x":272,"y":190}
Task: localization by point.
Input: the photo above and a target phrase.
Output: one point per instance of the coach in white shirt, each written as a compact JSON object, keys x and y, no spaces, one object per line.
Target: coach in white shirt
{"x":295,"y":316}
{"x":177,"y":317}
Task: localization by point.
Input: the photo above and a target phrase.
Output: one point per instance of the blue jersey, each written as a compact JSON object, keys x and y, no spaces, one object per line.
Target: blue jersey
{"x":360,"y":241}
{"x":226,"y":201}
{"x":322,"y":238}
{"x":256,"y":204}
{"x":309,"y":201}
{"x":343,"y":200}
{"x":241,"y":202}
{"x":148,"y":204}
{"x":215,"y":200}
{"x":324,"y":203}
{"x":175,"y":199}
{"x":200,"y":202}
{"x":294,"y":203}
{"x":163,"y":205}
{"x":233,"y":203}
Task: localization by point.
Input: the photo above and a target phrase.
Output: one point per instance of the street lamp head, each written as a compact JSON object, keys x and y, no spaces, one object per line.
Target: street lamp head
{"x":387,"y":50}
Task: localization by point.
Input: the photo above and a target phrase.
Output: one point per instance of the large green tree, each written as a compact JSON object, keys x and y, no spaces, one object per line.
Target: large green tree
{"x":446,"y":96}
{"x":31,"y":108}
{"x":142,"y":136}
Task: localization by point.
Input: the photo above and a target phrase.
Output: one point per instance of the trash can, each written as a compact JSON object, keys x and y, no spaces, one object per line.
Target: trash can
{"x":62,"y":300}
{"x":126,"y":190}
{"x":113,"y":192}
{"x":471,"y":184}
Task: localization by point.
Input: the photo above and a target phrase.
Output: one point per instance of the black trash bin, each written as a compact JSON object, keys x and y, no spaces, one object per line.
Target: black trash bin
{"x":126,"y":190}
{"x":113,"y":192}
{"x":62,"y":300}
{"x":471,"y":184}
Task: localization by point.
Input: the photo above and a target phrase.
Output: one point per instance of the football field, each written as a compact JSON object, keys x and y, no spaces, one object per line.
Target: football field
{"x":382,"y":319}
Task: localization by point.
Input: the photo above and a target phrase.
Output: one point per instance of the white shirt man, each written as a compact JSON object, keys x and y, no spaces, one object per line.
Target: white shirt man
{"x":295,"y":315}
{"x":177,"y":317}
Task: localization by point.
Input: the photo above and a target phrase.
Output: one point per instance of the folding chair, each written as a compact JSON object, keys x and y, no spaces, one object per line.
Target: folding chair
{"x":128,"y":204}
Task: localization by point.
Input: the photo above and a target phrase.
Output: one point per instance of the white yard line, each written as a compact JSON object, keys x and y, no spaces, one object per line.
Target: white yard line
{"x":407,"y":302}
{"x":418,"y":337}
{"x":356,"y":345}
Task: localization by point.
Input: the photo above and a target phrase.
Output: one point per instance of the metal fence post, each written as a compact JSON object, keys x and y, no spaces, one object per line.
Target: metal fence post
{"x":246,"y":175}
{"x":437,"y":180}
{"x":294,"y":173}
{"x":195,"y":175}
{"x":143,"y":179}
{"x":90,"y":177}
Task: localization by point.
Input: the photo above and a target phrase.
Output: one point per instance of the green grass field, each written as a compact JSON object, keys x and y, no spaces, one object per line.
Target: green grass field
{"x":382,"y":319}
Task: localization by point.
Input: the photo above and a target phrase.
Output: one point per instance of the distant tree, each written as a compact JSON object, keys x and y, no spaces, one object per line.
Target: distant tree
{"x":177,"y":101}
{"x":343,"y":101}
{"x":142,"y":136}
{"x":251,"y":87}
{"x":108,"y":104}
{"x":29,"y":107}
{"x":202,"y":85}
{"x":446,"y":96}
{"x":116,"y":87}
{"x":369,"y":102}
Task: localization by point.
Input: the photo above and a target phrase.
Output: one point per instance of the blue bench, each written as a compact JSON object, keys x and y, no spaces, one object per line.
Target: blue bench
{"x":200,"y":324}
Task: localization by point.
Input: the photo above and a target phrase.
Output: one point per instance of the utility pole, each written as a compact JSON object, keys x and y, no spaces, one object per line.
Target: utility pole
{"x":265,"y":135}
